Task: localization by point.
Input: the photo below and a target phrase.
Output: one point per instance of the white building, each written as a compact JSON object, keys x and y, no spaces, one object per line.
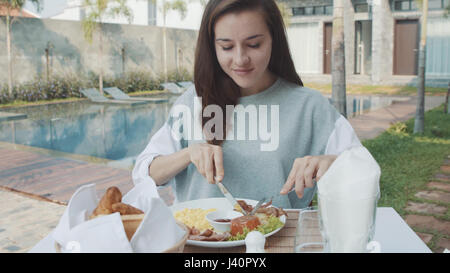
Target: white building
{"x":144,"y":12}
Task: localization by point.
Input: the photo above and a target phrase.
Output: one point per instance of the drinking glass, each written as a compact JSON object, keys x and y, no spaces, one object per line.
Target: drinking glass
{"x":347,"y":225}
{"x":308,"y":238}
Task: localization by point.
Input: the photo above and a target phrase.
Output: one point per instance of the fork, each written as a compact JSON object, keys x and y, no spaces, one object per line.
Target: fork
{"x":259,"y":204}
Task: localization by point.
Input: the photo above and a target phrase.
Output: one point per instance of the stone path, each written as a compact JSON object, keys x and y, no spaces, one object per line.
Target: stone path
{"x":373,"y":123}
{"x":429,"y":214}
{"x":25,"y":221}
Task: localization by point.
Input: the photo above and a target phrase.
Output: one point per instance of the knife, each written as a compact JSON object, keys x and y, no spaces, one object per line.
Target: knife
{"x":229,"y":197}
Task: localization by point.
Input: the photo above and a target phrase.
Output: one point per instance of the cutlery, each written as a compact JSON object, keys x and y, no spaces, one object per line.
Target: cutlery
{"x":257,"y":206}
{"x":229,"y":197}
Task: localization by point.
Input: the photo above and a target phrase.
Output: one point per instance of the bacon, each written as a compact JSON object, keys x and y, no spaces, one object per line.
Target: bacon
{"x":207,"y":233}
{"x":277,"y":212}
{"x":245,"y":206}
{"x":194,"y":231}
{"x":210,"y":236}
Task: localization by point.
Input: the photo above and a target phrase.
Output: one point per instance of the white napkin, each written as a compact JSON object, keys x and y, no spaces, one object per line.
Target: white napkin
{"x":157,"y":232}
{"x":348,"y":193}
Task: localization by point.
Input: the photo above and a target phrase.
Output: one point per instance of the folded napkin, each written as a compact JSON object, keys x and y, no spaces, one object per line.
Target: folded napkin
{"x":348,"y":193}
{"x":157,"y":232}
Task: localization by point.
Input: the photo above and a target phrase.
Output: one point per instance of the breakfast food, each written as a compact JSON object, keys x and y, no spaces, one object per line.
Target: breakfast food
{"x":111,"y":202}
{"x":265,"y":220}
{"x":264,"y":209}
{"x":194,"y":218}
{"x":248,"y":221}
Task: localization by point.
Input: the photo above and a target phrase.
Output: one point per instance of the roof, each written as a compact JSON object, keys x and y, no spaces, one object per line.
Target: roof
{"x":18,"y":13}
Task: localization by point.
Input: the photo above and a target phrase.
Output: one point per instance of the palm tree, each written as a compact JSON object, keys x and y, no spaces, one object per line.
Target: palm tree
{"x":419,"y":121}
{"x":285,"y":12}
{"x":181,"y":7}
{"x":9,"y":6}
{"x":97,"y":11}
{"x":338,"y":59}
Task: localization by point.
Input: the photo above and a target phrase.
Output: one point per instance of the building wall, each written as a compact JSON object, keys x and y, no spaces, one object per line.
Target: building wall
{"x":70,"y":52}
{"x":382,"y":48}
{"x":145,"y":12}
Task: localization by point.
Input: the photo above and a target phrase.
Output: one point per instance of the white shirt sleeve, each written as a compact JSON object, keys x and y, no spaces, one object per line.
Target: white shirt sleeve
{"x":162,"y":143}
{"x":342,"y":138}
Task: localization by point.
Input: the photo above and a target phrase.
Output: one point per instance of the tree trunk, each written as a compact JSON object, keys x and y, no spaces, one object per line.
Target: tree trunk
{"x":164,"y":42}
{"x":8,"y":49}
{"x":100,"y":77}
{"x":338,"y":59}
{"x":419,"y":122}
{"x":447,"y":102}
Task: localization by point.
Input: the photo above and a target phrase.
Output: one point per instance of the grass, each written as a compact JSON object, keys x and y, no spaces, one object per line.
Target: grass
{"x":407,"y":160}
{"x":403,"y":90}
{"x":20,"y":103}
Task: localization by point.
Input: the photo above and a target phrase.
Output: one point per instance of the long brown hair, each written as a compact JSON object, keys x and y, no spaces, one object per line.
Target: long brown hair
{"x":212,"y":84}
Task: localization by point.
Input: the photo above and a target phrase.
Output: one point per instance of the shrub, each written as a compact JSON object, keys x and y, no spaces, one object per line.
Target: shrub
{"x":68,"y":85}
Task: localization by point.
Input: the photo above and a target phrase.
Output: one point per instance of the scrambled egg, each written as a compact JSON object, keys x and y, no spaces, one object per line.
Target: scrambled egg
{"x":194,"y":218}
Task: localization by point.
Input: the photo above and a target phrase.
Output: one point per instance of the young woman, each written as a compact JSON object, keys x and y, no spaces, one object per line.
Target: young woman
{"x":243,"y":61}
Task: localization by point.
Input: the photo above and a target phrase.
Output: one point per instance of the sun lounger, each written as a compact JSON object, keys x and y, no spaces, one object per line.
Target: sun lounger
{"x":173,"y":87}
{"x":118,"y":94}
{"x":185,"y":84}
{"x":95,"y":96}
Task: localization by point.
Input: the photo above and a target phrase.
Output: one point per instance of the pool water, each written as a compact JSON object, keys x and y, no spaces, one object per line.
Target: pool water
{"x":115,"y":132}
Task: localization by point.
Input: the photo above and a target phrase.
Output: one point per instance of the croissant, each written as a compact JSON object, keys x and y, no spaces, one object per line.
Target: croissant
{"x":111,"y":202}
{"x":125,"y":209}
{"x":112,"y":196}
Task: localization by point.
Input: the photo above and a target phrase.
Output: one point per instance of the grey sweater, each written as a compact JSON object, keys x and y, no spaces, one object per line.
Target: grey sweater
{"x":306,"y":126}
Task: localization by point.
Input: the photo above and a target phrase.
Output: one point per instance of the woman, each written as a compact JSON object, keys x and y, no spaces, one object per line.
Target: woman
{"x":243,"y":61}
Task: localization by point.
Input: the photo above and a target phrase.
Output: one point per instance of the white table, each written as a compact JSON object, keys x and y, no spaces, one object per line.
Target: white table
{"x":391,"y":232}
{"x":395,"y":236}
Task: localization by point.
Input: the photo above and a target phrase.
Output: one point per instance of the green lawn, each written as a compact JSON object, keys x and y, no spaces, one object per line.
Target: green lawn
{"x":408,"y":161}
{"x":19,"y":103}
{"x":379,"y":89}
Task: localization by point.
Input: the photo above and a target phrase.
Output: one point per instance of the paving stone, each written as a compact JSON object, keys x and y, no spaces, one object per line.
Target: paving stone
{"x":426,"y":238}
{"x":439,"y":185}
{"x":12,"y":248}
{"x":443,"y":177}
{"x":442,"y":244}
{"x":32,"y":220}
{"x":445,"y":168}
{"x":426,"y":208}
{"x":434,"y":195}
{"x":428,"y":222}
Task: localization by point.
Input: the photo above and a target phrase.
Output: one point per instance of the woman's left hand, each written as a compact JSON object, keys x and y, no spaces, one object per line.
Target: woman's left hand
{"x":304,"y":170}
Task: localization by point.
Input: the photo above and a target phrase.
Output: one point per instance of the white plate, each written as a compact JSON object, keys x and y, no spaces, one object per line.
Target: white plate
{"x":217,"y":203}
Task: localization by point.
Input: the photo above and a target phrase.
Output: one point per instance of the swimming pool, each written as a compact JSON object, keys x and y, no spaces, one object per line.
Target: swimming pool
{"x":116,"y":133}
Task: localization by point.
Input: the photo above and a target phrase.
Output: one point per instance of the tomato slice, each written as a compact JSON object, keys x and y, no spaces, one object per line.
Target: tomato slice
{"x":238,"y":224}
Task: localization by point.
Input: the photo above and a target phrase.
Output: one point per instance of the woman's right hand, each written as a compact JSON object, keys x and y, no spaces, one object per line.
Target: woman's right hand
{"x":208,"y":159}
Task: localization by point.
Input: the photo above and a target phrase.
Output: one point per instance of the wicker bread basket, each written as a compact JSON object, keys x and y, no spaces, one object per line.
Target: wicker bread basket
{"x":132,"y":222}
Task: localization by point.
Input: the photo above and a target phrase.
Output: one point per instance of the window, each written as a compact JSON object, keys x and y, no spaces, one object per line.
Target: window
{"x":361,"y":8}
{"x":404,"y":5}
{"x":298,"y":11}
{"x":435,"y":4}
{"x":315,"y":10}
{"x":319,"y":10}
{"x":408,"y":5}
{"x":360,"y":5}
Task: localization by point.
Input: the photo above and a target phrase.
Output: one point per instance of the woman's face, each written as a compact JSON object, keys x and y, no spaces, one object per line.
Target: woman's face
{"x":243,"y":48}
